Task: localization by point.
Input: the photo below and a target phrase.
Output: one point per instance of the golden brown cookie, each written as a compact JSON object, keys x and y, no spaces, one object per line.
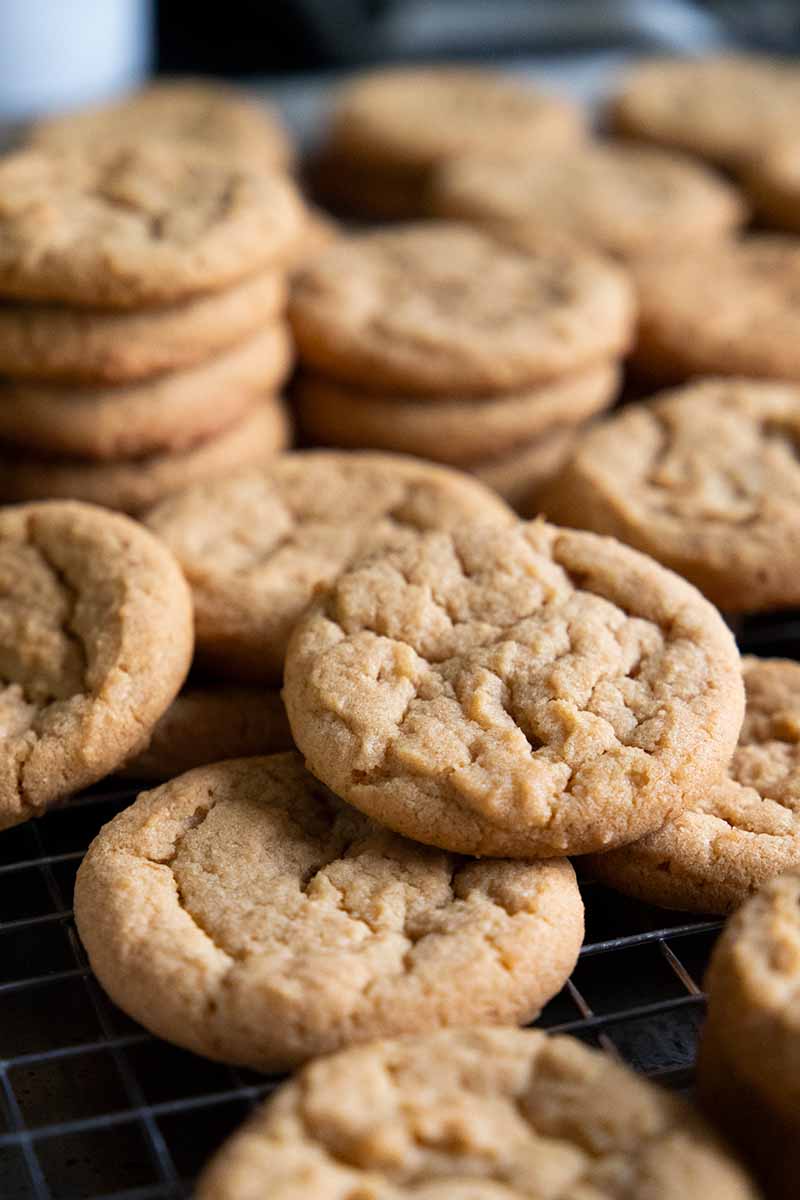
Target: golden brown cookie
{"x":723,"y":108}
{"x":520,"y":475}
{"x":479,"y":1114}
{"x":95,"y":641}
{"x":246,"y":913}
{"x":165,"y":415}
{"x":624,"y":199}
{"x":772,"y":181}
{"x":133,"y":485}
{"x":523,"y":690}
{"x":740,"y":833}
{"x":256,"y":546}
{"x":207,"y":723}
{"x":456,"y":431}
{"x":187,"y":113}
{"x":76,"y":345}
{"x":148,"y":225}
{"x":705,"y":479}
{"x":732,"y":308}
{"x":443,"y":309}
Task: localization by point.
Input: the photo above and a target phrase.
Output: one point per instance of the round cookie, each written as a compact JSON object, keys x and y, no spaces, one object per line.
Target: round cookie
{"x":72,"y":345}
{"x":705,"y":479}
{"x":147,"y":225}
{"x":168,"y":414}
{"x":742,"y":831}
{"x":772,"y":182}
{"x":626,"y":200}
{"x":136,"y":484}
{"x":732,"y":308}
{"x":247,"y":914}
{"x":478,"y":1114}
{"x":187,"y":113}
{"x":723,"y":108}
{"x":207,"y":723}
{"x":525,"y":690}
{"x":443,"y":309}
{"x":256,"y":546}
{"x":456,"y":431}
{"x":520,"y":475}
{"x":95,"y":641}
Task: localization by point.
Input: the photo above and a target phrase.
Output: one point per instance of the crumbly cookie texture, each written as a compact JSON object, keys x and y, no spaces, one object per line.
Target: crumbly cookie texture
{"x":457,"y":431}
{"x":731,"y":308}
{"x":440,"y":308}
{"x":479,"y":1114}
{"x":256,"y":546}
{"x":146,"y":225}
{"x":624,"y":199}
{"x":246,"y":913}
{"x":706,"y":479}
{"x":134,"y":485}
{"x":528,"y":690}
{"x":725,"y":109}
{"x":95,"y":641}
{"x":772,"y":180}
{"x":741,"y":832}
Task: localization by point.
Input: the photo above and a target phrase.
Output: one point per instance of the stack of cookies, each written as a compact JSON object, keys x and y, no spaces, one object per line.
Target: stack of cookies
{"x":142,"y":338}
{"x":439,"y":341}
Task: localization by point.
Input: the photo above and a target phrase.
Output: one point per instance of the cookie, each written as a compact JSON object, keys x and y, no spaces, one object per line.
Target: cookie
{"x":443,"y":309}
{"x":95,"y":641}
{"x":732,"y":308}
{"x":247,"y":914}
{"x":626,"y":200}
{"x":133,"y":485}
{"x":723,"y":108}
{"x":144,"y":226}
{"x":168,"y":414}
{"x":455,"y":431}
{"x":742,"y":831}
{"x":524,"y":690}
{"x":208,"y":723}
{"x":705,"y":479}
{"x":186,"y":113}
{"x":71,"y":345}
{"x":772,"y":182}
{"x":478,"y":1114}
{"x":520,"y":475}
{"x":256,"y":546}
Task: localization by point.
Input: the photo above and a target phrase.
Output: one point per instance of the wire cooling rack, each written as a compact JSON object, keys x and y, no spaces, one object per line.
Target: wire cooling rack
{"x":94,"y":1108}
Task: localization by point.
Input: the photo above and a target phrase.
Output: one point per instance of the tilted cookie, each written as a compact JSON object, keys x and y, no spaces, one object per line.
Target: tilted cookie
{"x":479,"y":1114}
{"x":739,"y":833}
{"x":95,"y":641}
{"x":528,"y":690}
{"x":256,"y":546}
{"x":244,"y":912}
{"x":705,"y":479}
{"x":442,"y":309}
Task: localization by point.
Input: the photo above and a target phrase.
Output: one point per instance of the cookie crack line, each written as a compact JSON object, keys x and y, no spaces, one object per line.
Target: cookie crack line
{"x":74,"y":597}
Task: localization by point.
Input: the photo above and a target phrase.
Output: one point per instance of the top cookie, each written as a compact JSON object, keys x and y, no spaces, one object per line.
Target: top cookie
{"x":187,"y":113}
{"x":624,"y":199}
{"x":479,"y":1114}
{"x":442,"y":308}
{"x":95,"y":641}
{"x":255,"y":546}
{"x":140,"y":226}
{"x":415,"y":116}
{"x":725,"y":109}
{"x":706,"y":480}
{"x":522,"y":690}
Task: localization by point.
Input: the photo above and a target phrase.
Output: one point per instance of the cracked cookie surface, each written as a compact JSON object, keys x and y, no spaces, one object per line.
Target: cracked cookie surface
{"x":254,"y":547}
{"x":706,"y":479}
{"x":95,"y":641}
{"x":246,"y":913}
{"x":524,"y":690}
{"x":738,"y":834}
{"x":440,"y":308}
{"x":480,"y":1114}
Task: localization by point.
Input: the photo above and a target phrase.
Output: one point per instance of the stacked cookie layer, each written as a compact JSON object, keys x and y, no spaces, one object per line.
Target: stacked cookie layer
{"x":439,"y":341}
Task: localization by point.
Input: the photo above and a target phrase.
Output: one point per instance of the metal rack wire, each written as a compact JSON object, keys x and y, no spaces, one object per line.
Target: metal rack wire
{"x":94,"y":1108}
